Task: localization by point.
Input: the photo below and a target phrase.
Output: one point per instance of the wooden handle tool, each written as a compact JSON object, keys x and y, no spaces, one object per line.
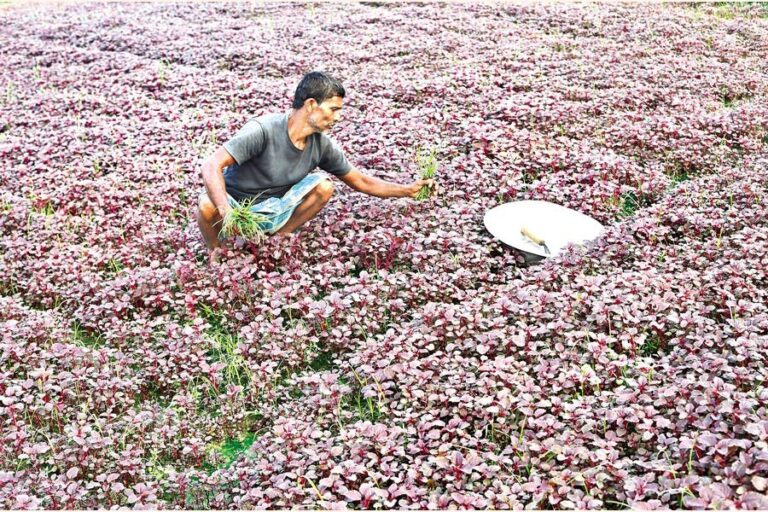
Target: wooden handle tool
{"x":535,"y":239}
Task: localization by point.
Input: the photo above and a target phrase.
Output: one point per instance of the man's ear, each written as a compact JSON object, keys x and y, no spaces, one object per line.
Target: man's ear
{"x":310,"y":104}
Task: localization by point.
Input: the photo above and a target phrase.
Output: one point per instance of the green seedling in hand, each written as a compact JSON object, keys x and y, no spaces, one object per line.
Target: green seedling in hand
{"x":242,"y":221}
{"x":427,"y":162}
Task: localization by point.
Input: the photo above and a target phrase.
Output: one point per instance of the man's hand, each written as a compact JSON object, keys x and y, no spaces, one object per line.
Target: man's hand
{"x":379,"y":188}
{"x":225,"y":210}
{"x":418,"y":184}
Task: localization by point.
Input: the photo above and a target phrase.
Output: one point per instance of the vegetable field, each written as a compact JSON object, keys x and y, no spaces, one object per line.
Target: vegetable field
{"x":390,"y":354}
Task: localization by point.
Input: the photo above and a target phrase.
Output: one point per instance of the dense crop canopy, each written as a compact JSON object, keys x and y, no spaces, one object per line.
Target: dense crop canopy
{"x":391,"y":354}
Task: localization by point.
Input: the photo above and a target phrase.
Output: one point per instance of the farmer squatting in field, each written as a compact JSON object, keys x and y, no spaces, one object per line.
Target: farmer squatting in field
{"x":269,"y":162}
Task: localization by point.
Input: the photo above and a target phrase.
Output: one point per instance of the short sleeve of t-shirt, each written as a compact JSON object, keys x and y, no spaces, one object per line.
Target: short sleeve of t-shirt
{"x":248,"y":142}
{"x":332,"y":159}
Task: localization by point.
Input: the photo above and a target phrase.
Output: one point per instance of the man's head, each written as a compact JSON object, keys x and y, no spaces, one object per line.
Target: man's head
{"x":321,"y":96}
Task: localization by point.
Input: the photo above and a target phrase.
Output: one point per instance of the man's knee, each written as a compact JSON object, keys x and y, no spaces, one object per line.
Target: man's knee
{"x":324,"y":189}
{"x":206,"y":208}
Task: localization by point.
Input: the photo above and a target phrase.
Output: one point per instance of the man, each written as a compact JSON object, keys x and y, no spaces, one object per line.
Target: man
{"x":269,"y":162}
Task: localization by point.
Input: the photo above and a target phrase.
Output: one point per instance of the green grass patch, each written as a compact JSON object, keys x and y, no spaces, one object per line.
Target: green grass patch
{"x":44,"y":208}
{"x":323,"y":361}
{"x":222,"y":455}
{"x":653,"y":345}
{"x":678,"y":176}
{"x":236,"y":369}
{"x":730,"y":97}
{"x":155,"y":393}
{"x":233,"y":447}
{"x":114,"y":266}
{"x":216,"y":319}
{"x":10,"y":93}
{"x":84,"y":337}
{"x":650,"y":347}
{"x":730,"y":10}
{"x":529,"y":177}
{"x":628,"y":204}
{"x":502,"y":435}
{"x":364,"y":408}
{"x":724,"y":11}
{"x":224,"y":348}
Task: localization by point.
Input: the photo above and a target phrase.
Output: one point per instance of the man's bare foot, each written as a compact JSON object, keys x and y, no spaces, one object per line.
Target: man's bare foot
{"x":213,"y":256}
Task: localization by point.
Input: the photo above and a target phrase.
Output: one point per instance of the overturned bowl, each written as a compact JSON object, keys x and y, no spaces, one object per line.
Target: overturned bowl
{"x":540,"y":229}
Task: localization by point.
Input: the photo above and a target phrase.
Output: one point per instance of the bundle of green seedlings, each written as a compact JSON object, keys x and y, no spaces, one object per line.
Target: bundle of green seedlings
{"x":245,"y":223}
{"x":427,"y":162}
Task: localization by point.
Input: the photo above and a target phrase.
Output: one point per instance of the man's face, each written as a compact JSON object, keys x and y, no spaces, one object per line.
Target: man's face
{"x":323,"y":116}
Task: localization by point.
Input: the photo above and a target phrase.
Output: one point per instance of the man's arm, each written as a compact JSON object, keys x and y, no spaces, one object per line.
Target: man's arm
{"x":377,"y":187}
{"x":213,"y":178}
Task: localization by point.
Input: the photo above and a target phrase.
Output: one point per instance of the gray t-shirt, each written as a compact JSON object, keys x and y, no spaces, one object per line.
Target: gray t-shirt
{"x":269,"y":164}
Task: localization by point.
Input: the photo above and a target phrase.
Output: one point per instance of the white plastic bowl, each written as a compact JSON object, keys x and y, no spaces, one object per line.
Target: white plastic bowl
{"x":556,"y":225}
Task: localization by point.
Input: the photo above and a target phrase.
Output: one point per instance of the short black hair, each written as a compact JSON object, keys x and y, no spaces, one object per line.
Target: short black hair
{"x":319,"y":86}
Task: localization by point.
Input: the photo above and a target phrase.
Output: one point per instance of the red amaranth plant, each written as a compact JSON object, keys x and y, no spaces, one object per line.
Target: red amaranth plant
{"x":391,"y":354}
